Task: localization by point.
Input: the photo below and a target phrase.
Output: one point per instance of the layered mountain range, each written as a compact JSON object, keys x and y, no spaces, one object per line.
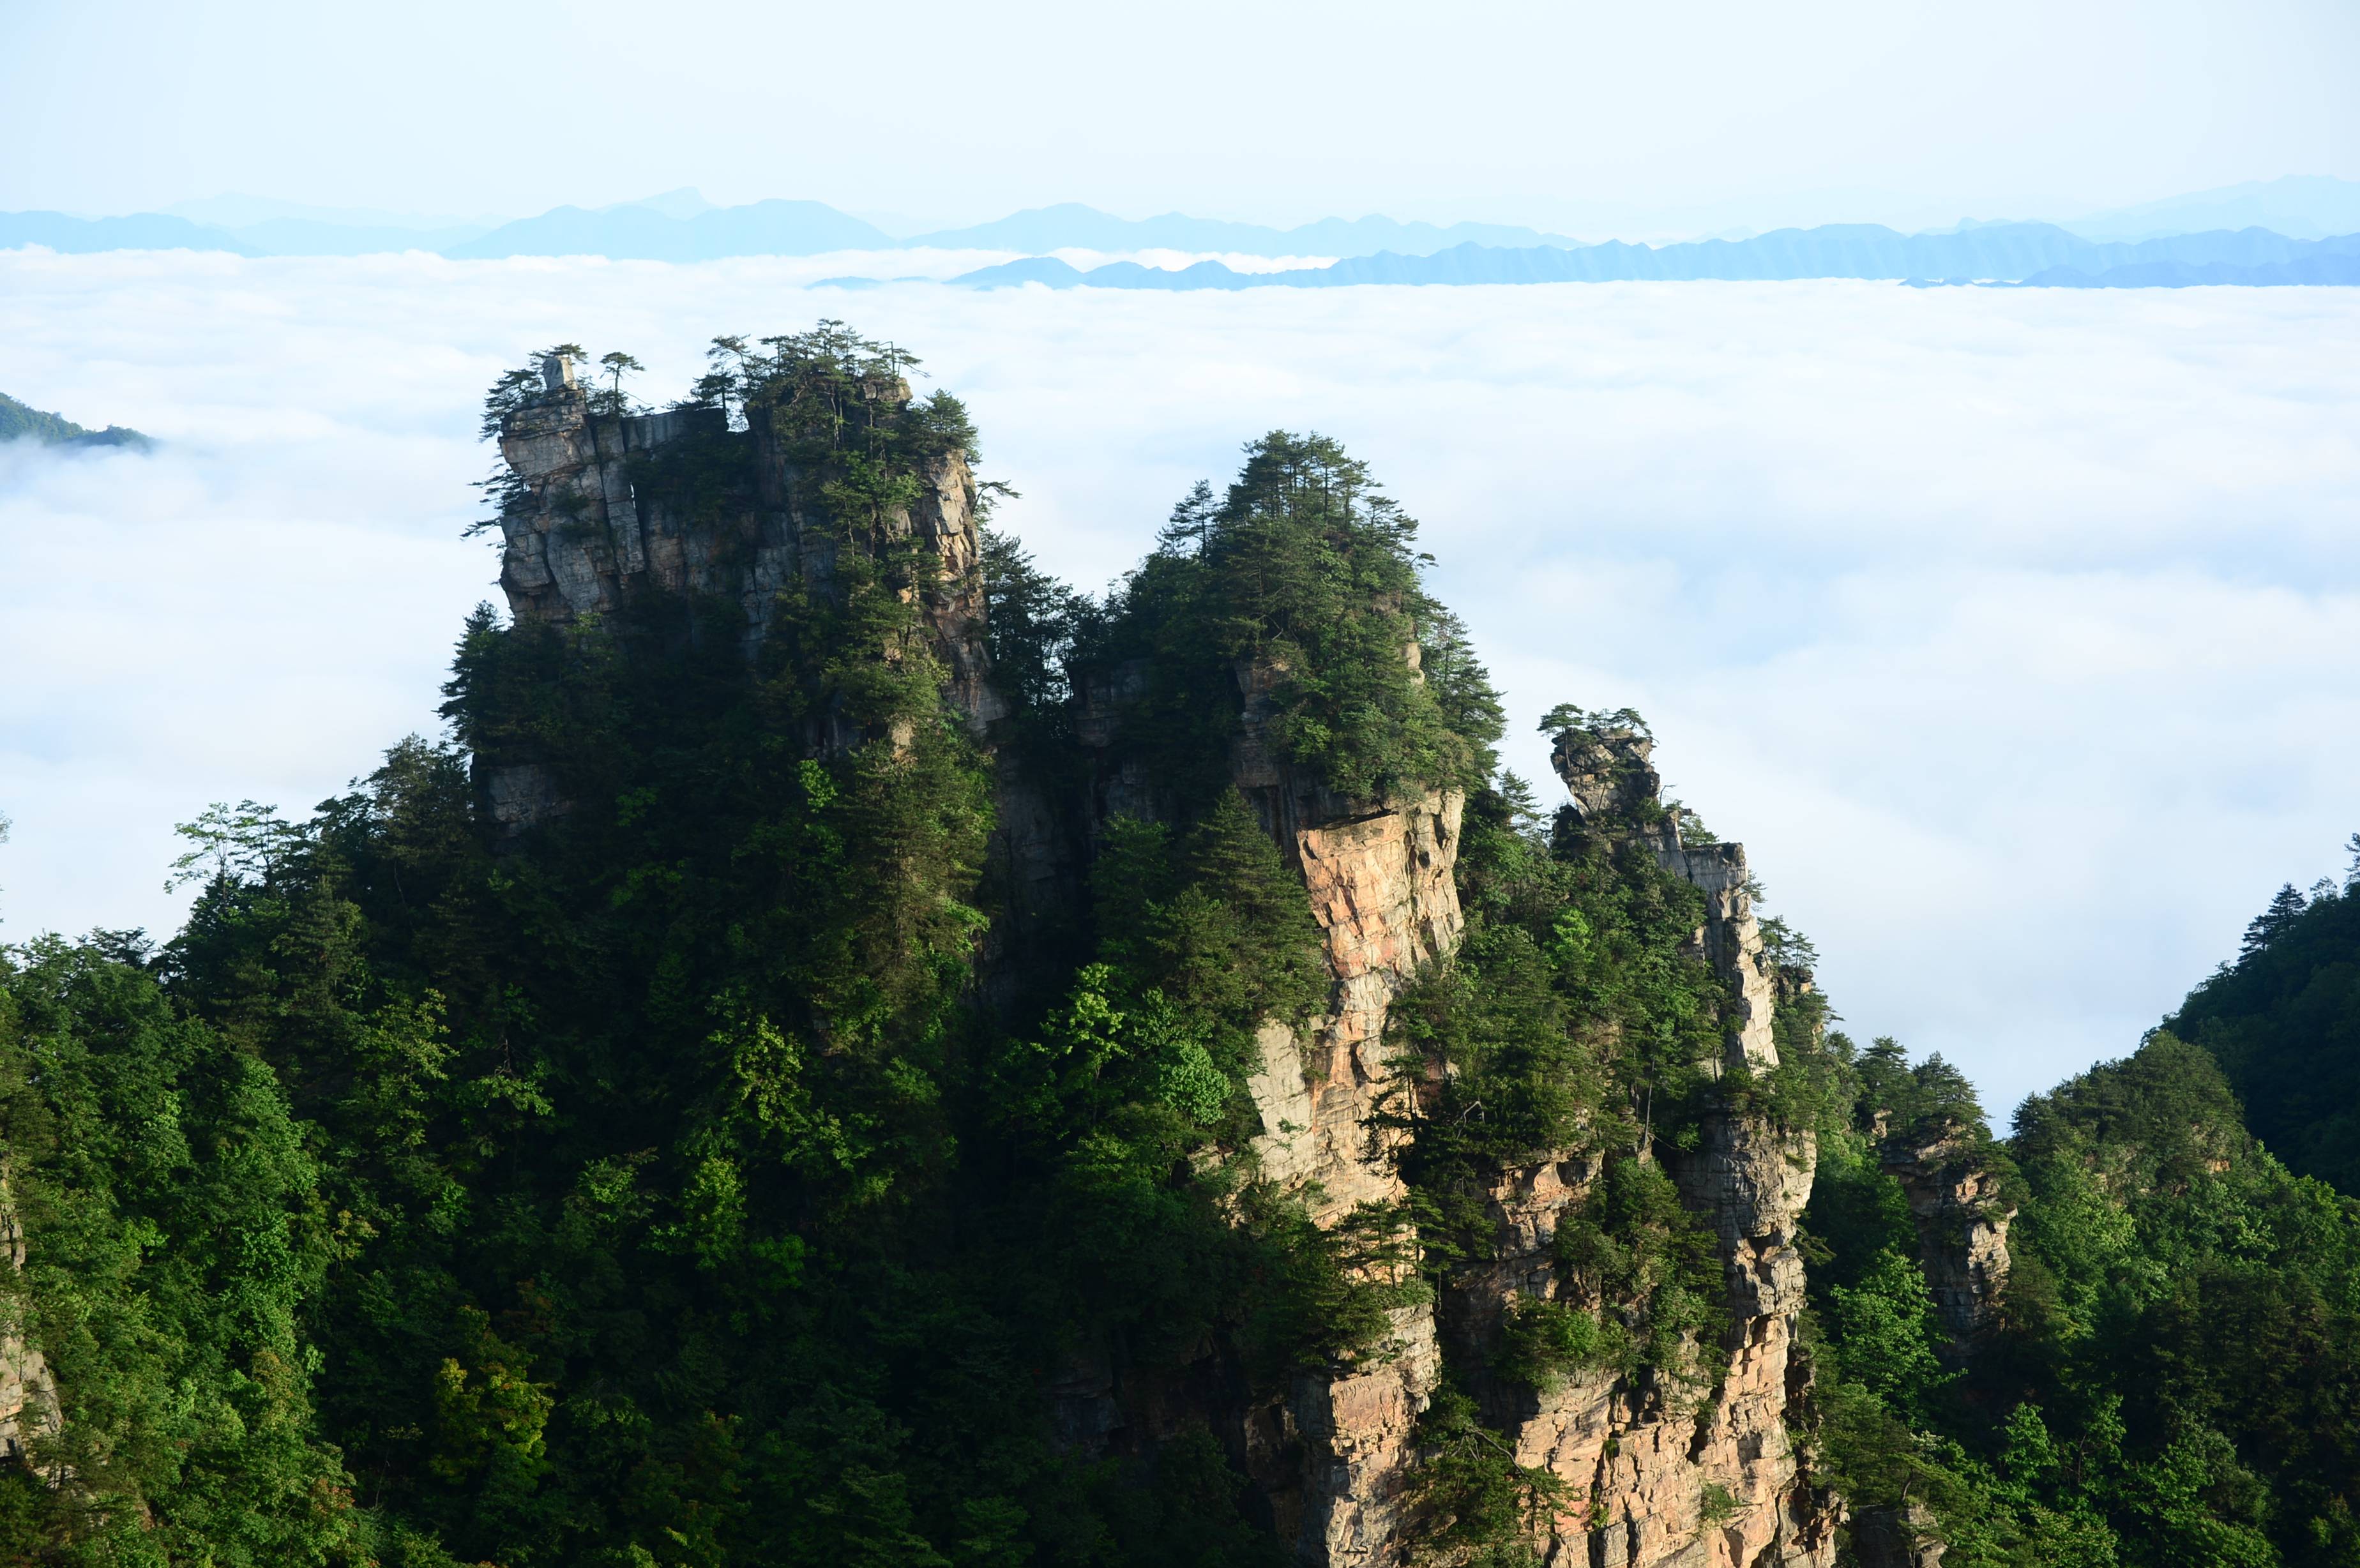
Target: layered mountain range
{"x":2292,"y":231}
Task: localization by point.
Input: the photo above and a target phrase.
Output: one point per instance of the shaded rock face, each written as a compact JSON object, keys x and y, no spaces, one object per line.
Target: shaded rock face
{"x":1898,"y":1538}
{"x":596,"y":522}
{"x":1730,"y":941}
{"x":1962,"y":1221}
{"x":593,"y":525}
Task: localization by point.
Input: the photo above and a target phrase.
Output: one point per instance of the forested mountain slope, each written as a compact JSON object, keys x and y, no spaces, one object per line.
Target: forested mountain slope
{"x":19,"y":421}
{"x":2283,"y":1023}
{"x":851,"y":1052}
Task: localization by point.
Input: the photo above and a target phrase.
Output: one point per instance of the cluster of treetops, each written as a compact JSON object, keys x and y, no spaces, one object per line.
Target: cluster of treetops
{"x":659,"y":1189}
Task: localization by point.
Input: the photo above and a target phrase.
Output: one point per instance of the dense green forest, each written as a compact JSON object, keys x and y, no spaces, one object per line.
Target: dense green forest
{"x":669,"y":1184}
{"x":2175,"y":1376}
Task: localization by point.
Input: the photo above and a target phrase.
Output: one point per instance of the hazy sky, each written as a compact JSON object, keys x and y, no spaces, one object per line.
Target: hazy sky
{"x":1550,"y":113}
{"x":2012,"y":630}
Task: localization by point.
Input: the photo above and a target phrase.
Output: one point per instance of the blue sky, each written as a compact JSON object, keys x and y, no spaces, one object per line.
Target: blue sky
{"x":1714,"y":113}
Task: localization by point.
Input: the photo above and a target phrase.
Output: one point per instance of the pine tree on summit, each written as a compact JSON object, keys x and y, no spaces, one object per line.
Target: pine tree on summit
{"x":2286,"y":906}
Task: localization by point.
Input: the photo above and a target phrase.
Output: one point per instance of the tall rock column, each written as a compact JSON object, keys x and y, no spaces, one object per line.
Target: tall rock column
{"x":1654,"y":1473}
{"x":595,"y":519}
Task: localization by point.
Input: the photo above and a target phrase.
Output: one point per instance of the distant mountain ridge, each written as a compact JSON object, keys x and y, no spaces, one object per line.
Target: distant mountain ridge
{"x":2302,"y":207}
{"x":2003,"y":252}
{"x":139,"y":231}
{"x":681,"y":226}
{"x":1072,"y":227}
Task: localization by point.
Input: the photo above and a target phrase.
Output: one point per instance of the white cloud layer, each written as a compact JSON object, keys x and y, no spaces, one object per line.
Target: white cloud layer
{"x":2013,"y":631}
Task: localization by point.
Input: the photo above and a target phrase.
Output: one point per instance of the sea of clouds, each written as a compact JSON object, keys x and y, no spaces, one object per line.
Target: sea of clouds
{"x":2013,"y":631}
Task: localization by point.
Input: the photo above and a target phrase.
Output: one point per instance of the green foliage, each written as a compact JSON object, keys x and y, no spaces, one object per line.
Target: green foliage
{"x":172,"y":1233}
{"x":1031,"y":621}
{"x":1213,"y":921}
{"x":2163,"y":1388}
{"x":1478,"y":1506}
{"x":1891,"y":1338}
{"x":2283,"y":1023}
{"x":1636,"y":1250}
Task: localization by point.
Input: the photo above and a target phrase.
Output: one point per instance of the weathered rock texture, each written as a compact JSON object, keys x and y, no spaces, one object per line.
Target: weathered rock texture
{"x":589,"y":530}
{"x":1961,"y":1218}
{"x":1382,"y":891}
{"x":28,"y":1393}
{"x":1606,"y":772}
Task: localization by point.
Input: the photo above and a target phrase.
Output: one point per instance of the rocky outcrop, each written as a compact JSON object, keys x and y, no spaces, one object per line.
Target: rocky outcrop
{"x":596,"y":516}
{"x":1333,"y":1455}
{"x":1613,"y":785}
{"x":1608,"y":773}
{"x":1657,"y":1472}
{"x":603,"y":508}
{"x":1382,"y":891}
{"x":1962,"y":1217}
